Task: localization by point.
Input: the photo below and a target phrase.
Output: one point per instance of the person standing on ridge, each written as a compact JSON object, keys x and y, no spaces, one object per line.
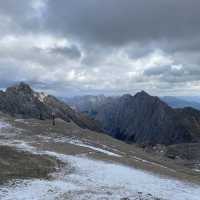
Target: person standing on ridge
{"x":53,"y":118}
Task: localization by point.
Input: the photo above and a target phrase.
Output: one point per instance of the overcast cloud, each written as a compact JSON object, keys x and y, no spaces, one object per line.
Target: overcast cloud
{"x":72,"y":47}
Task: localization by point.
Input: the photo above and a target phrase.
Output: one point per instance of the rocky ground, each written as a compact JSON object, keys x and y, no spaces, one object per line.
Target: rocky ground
{"x":39,"y":161}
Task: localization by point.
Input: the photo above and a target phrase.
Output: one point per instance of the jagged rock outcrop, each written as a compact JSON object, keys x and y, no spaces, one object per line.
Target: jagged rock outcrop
{"x":21,"y":101}
{"x":148,"y":120}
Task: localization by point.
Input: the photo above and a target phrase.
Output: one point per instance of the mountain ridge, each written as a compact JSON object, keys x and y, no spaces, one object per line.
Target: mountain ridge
{"x":147,"y":119}
{"x":141,"y":118}
{"x":22,"y":101}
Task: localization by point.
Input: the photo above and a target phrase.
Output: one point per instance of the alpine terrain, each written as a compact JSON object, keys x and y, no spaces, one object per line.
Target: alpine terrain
{"x":75,"y":159}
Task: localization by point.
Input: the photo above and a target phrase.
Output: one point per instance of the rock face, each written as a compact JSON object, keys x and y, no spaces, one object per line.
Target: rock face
{"x":147,"y":120}
{"x":21,"y":101}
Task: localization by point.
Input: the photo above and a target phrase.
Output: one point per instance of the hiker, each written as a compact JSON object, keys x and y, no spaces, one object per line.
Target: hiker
{"x":41,"y":118}
{"x":53,"y":118}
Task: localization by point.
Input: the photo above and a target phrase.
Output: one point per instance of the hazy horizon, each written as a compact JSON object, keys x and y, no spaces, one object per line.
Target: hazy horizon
{"x":109,"y":94}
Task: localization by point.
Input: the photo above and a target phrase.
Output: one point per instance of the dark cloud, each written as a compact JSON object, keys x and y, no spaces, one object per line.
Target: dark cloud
{"x":174,"y":74}
{"x":71,"y":52}
{"x":157,"y":71}
{"x":117,"y":22}
{"x":22,"y":16}
{"x":15,"y":9}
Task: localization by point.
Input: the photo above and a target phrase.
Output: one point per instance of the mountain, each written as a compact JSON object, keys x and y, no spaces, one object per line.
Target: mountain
{"x":146,"y":119}
{"x":140,"y":119}
{"x":87,"y":103}
{"x":178,"y":102}
{"x":21,"y":101}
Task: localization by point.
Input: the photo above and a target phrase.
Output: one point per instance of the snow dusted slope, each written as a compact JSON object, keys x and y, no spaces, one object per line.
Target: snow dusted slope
{"x":85,"y":178}
{"x":3,"y":125}
{"x":92,"y":179}
{"x":82,"y":144}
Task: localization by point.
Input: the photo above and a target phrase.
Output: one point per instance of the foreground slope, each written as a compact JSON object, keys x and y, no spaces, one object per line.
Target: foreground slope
{"x":95,"y":166}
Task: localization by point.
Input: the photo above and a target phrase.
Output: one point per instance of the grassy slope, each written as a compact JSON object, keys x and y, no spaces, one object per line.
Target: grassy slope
{"x":21,"y":165}
{"x":162,"y":165}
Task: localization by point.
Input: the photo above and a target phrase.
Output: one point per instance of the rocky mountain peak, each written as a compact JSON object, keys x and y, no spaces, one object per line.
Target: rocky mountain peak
{"x":142,"y":94}
{"x":22,"y":101}
{"x":144,"y":99}
{"x":146,"y":119}
{"x":126,"y":97}
{"x":21,"y":87}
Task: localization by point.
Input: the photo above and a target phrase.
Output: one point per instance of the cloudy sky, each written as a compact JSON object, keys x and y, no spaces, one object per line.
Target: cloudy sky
{"x":70,"y":47}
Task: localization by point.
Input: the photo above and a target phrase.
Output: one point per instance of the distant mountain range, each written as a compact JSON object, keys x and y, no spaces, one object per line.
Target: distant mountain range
{"x":142,"y":118}
{"x":89,"y":103}
{"x":21,"y":101}
{"x":180,"y":102}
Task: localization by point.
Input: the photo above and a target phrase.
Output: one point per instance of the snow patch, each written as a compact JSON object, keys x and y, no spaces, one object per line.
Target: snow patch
{"x":81,"y":144}
{"x":21,"y":121}
{"x":41,"y":96}
{"x":4,"y":125}
{"x":95,"y":180}
{"x":20,"y":145}
{"x":36,"y":190}
{"x":5,"y":130}
{"x":196,"y":170}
